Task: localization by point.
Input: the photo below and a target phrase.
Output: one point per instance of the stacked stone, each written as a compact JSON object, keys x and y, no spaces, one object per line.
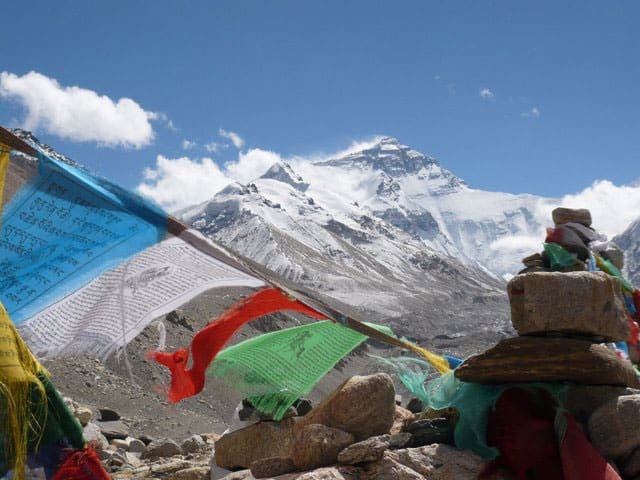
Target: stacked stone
{"x":563,"y":318}
{"x":573,"y":232}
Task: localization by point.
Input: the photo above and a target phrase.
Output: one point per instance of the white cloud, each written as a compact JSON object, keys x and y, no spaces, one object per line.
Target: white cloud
{"x":236,"y":139}
{"x":188,"y":144}
{"x":613,"y":208}
{"x":180,"y":182}
{"x":487,"y":94}
{"x":79,"y":114}
{"x":251,"y":164}
{"x":175,"y":183}
{"x":215,"y":147}
{"x":533,"y":113}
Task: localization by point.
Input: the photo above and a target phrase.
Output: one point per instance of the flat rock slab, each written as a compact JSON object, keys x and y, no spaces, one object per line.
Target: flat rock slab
{"x":588,"y":303}
{"x":562,"y":215}
{"x":537,"y":359}
{"x":115,"y":429}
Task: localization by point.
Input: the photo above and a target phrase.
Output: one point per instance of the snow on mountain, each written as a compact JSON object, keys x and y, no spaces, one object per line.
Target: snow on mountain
{"x":629,"y":242}
{"x":414,"y":193}
{"x":352,"y":252}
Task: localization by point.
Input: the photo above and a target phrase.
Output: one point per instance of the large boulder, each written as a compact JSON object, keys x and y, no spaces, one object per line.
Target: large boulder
{"x":94,"y":436}
{"x":317,"y":445}
{"x":582,"y":400}
{"x":575,"y":302}
{"x":240,"y":448}
{"x":613,"y":427}
{"x":535,"y":359}
{"x":364,"y":406}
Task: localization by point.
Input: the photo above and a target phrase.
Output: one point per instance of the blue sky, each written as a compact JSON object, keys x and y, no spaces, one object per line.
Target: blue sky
{"x":536,"y":97}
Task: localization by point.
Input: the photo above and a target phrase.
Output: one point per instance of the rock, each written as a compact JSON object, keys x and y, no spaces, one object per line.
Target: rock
{"x":210,"y":437}
{"x":238,"y":449}
{"x":615,"y":255}
{"x":367,"y":450}
{"x":330,"y":473}
{"x":398,"y":400}
{"x":535,"y":359}
{"x":245,"y":413}
{"x":192,"y":473}
{"x":317,"y":445}
{"x":534,"y":260}
{"x":415,"y":405}
{"x":272,"y":467}
{"x":427,"y":432}
{"x":120,"y":443}
{"x":193,"y":444}
{"x":290,"y":412}
{"x":388,"y":468}
{"x":108,"y":415}
{"x":631,"y":464}
{"x":303,"y":406}
{"x":83,"y":414}
{"x":93,"y":435}
{"x":239,"y":475}
{"x":70,"y":403}
{"x":401,"y":420}
{"x":178,"y":317}
{"x":400,"y":440}
{"x":363,"y":405}
{"x":582,"y":400}
{"x":613,"y":427}
{"x":586,"y":234}
{"x":577,"y":302}
{"x":562,"y":215}
{"x":163,"y":447}
{"x":438,"y":462}
{"x":146,"y":439}
{"x":115,"y":429}
{"x":136,"y":446}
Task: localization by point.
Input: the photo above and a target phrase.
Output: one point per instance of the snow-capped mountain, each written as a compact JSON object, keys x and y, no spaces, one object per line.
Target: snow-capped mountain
{"x":629,"y":242}
{"x":413,"y":192}
{"x":362,"y":255}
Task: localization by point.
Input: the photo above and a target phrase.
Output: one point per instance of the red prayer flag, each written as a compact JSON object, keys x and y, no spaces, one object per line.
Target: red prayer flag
{"x":208,"y":342}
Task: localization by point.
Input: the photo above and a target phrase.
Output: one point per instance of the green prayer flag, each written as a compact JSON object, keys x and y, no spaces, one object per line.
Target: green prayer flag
{"x":559,"y":257}
{"x":275,"y":369}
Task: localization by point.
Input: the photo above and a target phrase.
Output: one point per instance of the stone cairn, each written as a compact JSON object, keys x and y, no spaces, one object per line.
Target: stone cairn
{"x":566,"y":321}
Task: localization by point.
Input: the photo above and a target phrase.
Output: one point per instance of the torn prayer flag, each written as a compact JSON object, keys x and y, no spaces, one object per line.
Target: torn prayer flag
{"x":85,"y":265}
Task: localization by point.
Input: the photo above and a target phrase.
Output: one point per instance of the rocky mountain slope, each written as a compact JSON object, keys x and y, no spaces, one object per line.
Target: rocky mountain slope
{"x":629,"y":242}
{"x":357,"y":258}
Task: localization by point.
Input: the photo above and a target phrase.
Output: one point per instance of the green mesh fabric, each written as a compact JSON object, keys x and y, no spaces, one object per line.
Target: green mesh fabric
{"x":412,"y":372}
{"x":473,"y":401}
{"x":275,"y":369}
{"x":558,"y":256}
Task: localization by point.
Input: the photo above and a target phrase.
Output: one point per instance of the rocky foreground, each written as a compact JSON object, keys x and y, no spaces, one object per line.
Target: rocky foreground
{"x":357,"y":432}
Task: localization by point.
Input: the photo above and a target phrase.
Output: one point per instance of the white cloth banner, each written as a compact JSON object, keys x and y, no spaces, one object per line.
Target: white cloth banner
{"x":110,"y":311}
